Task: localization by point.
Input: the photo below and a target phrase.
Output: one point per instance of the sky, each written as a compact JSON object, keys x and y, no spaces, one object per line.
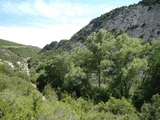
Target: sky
{"x":39,"y":22}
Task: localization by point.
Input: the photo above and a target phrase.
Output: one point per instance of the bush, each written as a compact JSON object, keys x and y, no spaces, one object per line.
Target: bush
{"x":118,"y":106}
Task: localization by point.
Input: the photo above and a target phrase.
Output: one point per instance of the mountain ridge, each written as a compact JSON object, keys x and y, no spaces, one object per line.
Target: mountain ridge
{"x":137,"y":20}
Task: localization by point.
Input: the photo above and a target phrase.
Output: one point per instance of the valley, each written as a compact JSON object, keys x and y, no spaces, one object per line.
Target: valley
{"x":108,"y":70}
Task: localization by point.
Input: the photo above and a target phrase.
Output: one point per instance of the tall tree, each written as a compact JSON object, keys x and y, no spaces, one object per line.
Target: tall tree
{"x":128,"y":61}
{"x":100,"y":44}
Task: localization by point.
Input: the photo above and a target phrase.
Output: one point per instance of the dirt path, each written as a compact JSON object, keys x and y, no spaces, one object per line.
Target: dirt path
{"x":34,"y":85}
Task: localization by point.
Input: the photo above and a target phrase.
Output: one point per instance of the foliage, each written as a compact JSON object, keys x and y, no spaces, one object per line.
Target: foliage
{"x":117,"y":63}
{"x":122,"y":108}
{"x":100,"y":45}
{"x":128,"y":60}
{"x":15,"y":53}
{"x":119,"y":106}
{"x":97,"y":81}
{"x":50,"y":93}
{"x":150,"y":111}
{"x":55,"y":71}
{"x":76,"y":81}
{"x":150,"y":84}
{"x":15,"y":95}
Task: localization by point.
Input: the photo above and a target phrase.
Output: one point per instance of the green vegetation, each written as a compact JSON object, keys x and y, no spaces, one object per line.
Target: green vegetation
{"x":110,"y":77}
{"x":18,"y":49}
{"x":150,"y":2}
{"x":13,"y":52}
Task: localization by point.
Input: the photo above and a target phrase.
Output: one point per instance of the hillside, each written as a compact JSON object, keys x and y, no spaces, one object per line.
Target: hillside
{"x":16,"y":55}
{"x":140,"y":20}
{"x":4,"y":44}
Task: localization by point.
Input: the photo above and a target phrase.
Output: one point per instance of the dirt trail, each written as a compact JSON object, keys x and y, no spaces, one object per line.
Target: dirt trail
{"x":34,"y":85}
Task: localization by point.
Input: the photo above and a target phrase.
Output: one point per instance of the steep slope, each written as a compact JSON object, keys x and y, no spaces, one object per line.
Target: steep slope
{"x":140,"y":20}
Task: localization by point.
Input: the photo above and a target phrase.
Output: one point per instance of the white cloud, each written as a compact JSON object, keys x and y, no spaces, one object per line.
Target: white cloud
{"x":9,"y":7}
{"x":82,"y":21}
{"x":26,"y":8}
{"x":52,"y":21}
{"x":54,"y":9}
{"x":46,"y":9}
{"x":22,"y":8}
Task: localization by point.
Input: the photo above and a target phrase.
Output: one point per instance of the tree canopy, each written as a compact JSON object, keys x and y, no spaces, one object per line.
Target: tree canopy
{"x":109,"y":77}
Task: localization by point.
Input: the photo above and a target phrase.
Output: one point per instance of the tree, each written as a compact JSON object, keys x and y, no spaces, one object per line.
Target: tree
{"x":128,"y":62}
{"x":150,"y":111}
{"x":55,"y":71}
{"x":81,"y":57}
{"x":100,"y":44}
{"x":76,"y":81}
{"x":50,"y":93}
{"x":151,"y":81}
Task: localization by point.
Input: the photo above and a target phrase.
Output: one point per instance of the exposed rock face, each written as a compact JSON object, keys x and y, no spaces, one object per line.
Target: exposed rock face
{"x":51,"y":45}
{"x":139,"y":20}
{"x":63,"y":45}
{"x":10,"y":64}
{"x":23,"y":64}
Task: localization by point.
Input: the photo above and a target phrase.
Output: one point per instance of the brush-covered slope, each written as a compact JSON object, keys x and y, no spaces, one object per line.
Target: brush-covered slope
{"x":16,"y":55}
